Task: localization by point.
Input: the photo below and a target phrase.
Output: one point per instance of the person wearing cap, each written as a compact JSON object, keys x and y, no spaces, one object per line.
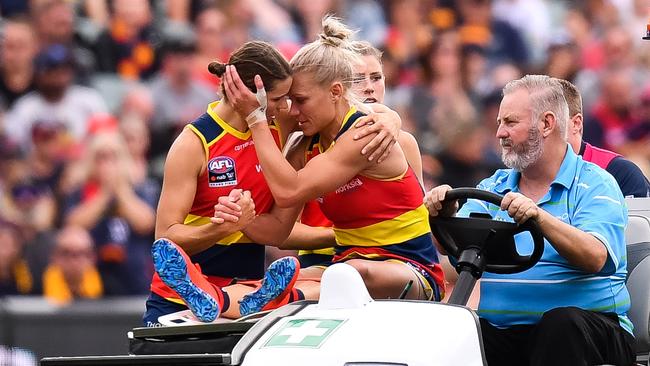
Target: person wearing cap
{"x":56,"y":97}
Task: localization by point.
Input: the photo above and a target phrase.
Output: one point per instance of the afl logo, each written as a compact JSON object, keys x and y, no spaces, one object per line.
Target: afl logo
{"x":221,"y":172}
{"x":221,"y":164}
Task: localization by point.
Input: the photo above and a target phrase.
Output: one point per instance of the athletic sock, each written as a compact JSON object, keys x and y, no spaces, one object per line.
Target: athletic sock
{"x":296,"y":295}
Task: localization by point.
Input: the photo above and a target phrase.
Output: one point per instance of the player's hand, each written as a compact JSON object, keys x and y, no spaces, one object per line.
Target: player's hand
{"x":386,"y":125}
{"x":248,"y":209}
{"x":250,"y":106}
{"x":227,"y":208}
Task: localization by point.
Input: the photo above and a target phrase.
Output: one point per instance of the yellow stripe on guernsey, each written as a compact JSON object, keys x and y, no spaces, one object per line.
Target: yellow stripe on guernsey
{"x":227,"y":128}
{"x":238,"y":237}
{"x":325,"y":251}
{"x":404,"y":227}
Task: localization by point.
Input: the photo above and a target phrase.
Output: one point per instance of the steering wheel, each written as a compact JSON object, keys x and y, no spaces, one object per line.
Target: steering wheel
{"x":495,"y":239}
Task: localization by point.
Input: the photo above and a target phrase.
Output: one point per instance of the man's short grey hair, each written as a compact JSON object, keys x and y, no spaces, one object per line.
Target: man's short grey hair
{"x":545,"y":95}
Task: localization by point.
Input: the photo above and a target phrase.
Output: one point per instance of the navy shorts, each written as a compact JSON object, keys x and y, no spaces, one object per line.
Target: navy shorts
{"x":157,"y":306}
{"x":314,"y":259}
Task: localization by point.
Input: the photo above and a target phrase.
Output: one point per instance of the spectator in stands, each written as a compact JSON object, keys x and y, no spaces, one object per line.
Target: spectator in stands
{"x":47,"y":162}
{"x":463,"y":141}
{"x":210,"y":25}
{"x":56,"y":98}
{"x":136,"y":136}
{"x":409,"y":35}
{"x":638,"y":146}
{"x":28,"y":206}
{"x":369,"y":18}
{"x":15,"y":277}
{"x":307,"y":16}
{"x":534,"y":30}
{"x":611,"y":116}
{"x":540,"y":316}
{"x":489,"y":107}
{"x":501,"y":40}
{"x":54,"y":21}
{"x":563,"y":60}
{"x":23,"y":202}
{"x":442,"y":83}
{"x":72,"y":273}
{"x":118,"y":212}
{"x":127,"y":47}
{"x":19,"y":47}
{"x":138,"y":103}
{"x":96,"y":11}
{"x":177,"y":97}
{"x":49,"y":154}
{"x":611,"y":53}
{"x":273,"y":23}
{"x":628,"y":176}
{"x":11,"y":8}
{"x":474,"y":70}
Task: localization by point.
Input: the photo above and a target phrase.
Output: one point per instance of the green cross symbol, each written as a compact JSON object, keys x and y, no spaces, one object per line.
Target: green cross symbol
{"x":303,"y":333}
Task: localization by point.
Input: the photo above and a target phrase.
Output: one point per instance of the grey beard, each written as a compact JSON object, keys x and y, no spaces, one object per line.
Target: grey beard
{"x":522,"y":156}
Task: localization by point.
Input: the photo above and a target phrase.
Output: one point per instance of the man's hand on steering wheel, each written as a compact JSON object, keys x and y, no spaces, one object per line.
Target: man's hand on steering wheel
{"x":497,"y":238}
{"x":434,"y":200}
{"x":520,"y":207}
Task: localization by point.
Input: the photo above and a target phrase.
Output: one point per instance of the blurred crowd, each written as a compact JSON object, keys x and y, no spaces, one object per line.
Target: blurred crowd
{"x":93,"y":92}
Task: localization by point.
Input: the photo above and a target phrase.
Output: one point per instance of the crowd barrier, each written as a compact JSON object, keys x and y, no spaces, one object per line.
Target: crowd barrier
{"x":97,"y":327}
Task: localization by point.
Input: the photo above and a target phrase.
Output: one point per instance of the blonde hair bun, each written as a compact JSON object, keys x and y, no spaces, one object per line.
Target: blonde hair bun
{"x":335,"y":33}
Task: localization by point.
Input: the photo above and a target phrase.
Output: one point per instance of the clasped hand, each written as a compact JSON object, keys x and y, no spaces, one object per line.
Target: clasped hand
{"x":238,"y":207}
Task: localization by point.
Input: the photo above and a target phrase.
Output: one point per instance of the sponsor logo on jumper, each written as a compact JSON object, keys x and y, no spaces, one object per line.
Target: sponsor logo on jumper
{"x":356,"y":182}
{"x":244,"y":145}
{"x":221,"y":172}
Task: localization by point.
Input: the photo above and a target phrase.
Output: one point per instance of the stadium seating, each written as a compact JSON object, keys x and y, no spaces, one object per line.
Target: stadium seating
{"x":637,"y":237}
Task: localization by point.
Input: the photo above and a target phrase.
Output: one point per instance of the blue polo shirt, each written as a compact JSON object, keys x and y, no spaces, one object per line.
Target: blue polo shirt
{"x":582,"y":195}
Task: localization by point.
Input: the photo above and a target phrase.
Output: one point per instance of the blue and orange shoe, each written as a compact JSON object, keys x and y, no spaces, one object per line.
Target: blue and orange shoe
{"x":276,"y":286}
{"x":177,"y":271}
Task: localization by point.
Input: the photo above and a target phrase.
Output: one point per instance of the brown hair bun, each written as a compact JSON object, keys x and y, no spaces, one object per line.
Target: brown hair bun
{"x":217,"y":68}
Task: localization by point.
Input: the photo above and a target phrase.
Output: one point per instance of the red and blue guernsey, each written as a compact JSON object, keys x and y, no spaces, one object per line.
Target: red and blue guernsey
{"x":383,"y":219}
{"x":232,"y":163}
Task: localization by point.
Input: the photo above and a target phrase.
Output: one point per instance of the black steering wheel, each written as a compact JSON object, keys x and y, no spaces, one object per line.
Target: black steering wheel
{"x":494,"y":239}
